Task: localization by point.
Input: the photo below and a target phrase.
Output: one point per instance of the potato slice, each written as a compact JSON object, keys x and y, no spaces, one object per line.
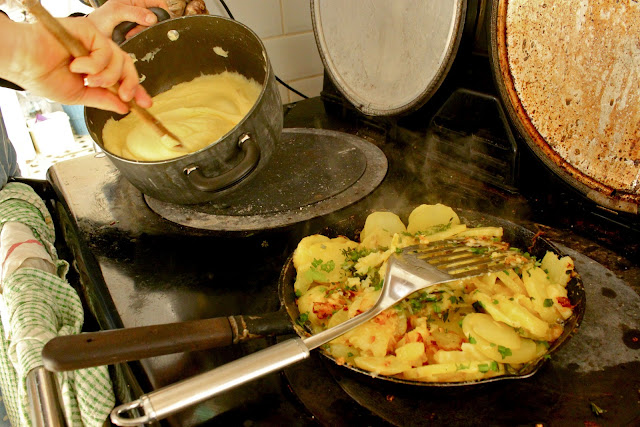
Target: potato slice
{"x":465,"y":371}
{"x":526,"y":351}
{"x":557,"y":268}
{"x":512,"y":281}
{"x":426,"y":217}
{"x":411,"y":352}
{"x":513,"y":314}
{"x":482,"y":231}
{"x":387,"y":365}
{"x":536,"y":282}
{"x":468,"y":353}
{"x":379,"y":229}
{"x":302,"y":256}
{"x":320,"y":260}
{"x":483,"y":325}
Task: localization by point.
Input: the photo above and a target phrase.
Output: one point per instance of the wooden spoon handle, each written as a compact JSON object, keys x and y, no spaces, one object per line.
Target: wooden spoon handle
{"x":78,"y":50}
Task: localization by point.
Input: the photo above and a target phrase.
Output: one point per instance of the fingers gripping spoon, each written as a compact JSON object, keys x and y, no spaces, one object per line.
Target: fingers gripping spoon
{"x":77,"y":49}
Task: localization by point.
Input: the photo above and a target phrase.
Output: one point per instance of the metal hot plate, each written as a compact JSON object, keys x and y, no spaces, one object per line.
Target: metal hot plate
{"x":313,"y":172}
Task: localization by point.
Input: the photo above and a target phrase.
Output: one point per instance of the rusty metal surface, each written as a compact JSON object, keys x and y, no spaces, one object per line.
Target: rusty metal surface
{"x":567,"y":73}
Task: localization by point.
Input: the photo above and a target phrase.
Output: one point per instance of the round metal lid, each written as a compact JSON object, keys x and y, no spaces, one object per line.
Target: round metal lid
{"x":313,"y":172}
{"x":388,"y":57}
{"x":567,"y":73}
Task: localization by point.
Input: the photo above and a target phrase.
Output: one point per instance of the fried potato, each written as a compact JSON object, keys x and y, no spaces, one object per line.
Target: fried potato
{"x":426,"y":217}
{"x":379,"y":229}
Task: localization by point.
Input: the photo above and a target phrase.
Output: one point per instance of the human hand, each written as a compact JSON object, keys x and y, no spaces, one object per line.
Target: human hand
{"x":38,"y":62}
{"x":113,"y":12}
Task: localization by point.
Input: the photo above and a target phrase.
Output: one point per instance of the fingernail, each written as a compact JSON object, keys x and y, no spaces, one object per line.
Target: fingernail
{"x":150,"y":19}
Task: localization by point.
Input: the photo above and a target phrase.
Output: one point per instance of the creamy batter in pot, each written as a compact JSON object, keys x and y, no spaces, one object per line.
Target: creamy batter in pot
{"x":199,"y":113}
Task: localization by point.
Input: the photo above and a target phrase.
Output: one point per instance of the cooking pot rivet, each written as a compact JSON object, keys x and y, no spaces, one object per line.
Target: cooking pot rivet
{"x":244,"y":138}
{"x":173,"y":35}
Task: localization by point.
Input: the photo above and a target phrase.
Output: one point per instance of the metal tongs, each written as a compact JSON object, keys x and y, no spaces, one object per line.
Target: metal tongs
{"x":412,"y":269}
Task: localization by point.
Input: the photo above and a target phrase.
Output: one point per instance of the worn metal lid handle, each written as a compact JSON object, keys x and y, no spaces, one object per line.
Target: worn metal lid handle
{"x":217,"y":183}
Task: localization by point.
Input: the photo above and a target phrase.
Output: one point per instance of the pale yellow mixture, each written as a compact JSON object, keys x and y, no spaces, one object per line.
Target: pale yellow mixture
{"x":198,"y":112}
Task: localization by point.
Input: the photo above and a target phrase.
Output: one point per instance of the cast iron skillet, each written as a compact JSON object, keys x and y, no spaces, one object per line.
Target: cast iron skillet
{"x":518,"y":237}
{"x":121,"y":345}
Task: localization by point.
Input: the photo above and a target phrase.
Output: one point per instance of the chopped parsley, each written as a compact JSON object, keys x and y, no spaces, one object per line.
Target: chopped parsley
{"x":328,"y":266}
{"x":548,"y":302}
{"x":435,"y":229}
{"x":355,"y":254}
{"x":597,"y":411}
{"x":504,"y":351}
{"x":494,"y":366}
{"x":483,"y":367}
{"x":302,"y":319}
{"x":472,"y":340}
{"x":377,"y":282}
{"x":478,"y":250}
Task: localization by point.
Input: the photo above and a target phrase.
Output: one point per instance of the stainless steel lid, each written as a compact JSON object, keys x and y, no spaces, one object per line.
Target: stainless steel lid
{"x":388,"y":57}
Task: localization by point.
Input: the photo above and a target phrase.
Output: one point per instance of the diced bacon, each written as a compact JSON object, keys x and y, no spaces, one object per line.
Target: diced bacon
{"x":564,"y":301}
{"x":323,"y":309}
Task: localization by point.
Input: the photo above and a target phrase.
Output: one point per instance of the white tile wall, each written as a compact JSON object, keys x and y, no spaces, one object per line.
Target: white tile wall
{"x":286,"y":31}
{"x":296,"y":16}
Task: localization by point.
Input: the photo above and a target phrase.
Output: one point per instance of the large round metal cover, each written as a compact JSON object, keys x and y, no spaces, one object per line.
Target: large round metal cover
{"x":568,"y":72}
{"x":388,"y":57}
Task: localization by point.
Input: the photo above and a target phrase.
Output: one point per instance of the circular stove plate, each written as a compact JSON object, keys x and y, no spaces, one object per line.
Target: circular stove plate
{"x":313,"y":172}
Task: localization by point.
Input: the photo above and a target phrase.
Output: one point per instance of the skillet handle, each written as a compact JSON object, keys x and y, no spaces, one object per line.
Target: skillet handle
{"x":168,"y":400}
{"x":120,"y":31}
{"x":217,"y":183}
{"x":70,"y":352}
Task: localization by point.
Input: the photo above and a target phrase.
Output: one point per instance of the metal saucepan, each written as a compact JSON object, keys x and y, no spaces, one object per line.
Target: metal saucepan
{"x":179,"y":50}
{"x":174,"y":398}
{"x":121,"y":345}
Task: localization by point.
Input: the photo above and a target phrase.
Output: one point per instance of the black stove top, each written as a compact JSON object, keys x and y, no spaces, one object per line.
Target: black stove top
{"x":137,"y":268}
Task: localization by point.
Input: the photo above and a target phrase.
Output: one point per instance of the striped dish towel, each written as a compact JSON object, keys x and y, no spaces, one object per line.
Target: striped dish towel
{"x":38,"y":304}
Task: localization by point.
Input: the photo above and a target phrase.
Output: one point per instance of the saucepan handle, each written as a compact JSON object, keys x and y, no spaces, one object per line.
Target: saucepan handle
{"x":250,"y":160}
{"x":163,"y":402}
{"x":70,"y":352}
{"x":120,"y":31}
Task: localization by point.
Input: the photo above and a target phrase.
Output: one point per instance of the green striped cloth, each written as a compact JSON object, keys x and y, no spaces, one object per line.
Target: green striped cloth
{"x":37,"y":306}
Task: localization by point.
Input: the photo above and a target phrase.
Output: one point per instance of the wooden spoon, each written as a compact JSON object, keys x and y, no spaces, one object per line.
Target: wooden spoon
{"x":77,"y":49}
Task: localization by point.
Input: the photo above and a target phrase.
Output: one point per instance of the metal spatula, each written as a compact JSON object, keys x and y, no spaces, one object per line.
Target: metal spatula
{"x":412,"y":269}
